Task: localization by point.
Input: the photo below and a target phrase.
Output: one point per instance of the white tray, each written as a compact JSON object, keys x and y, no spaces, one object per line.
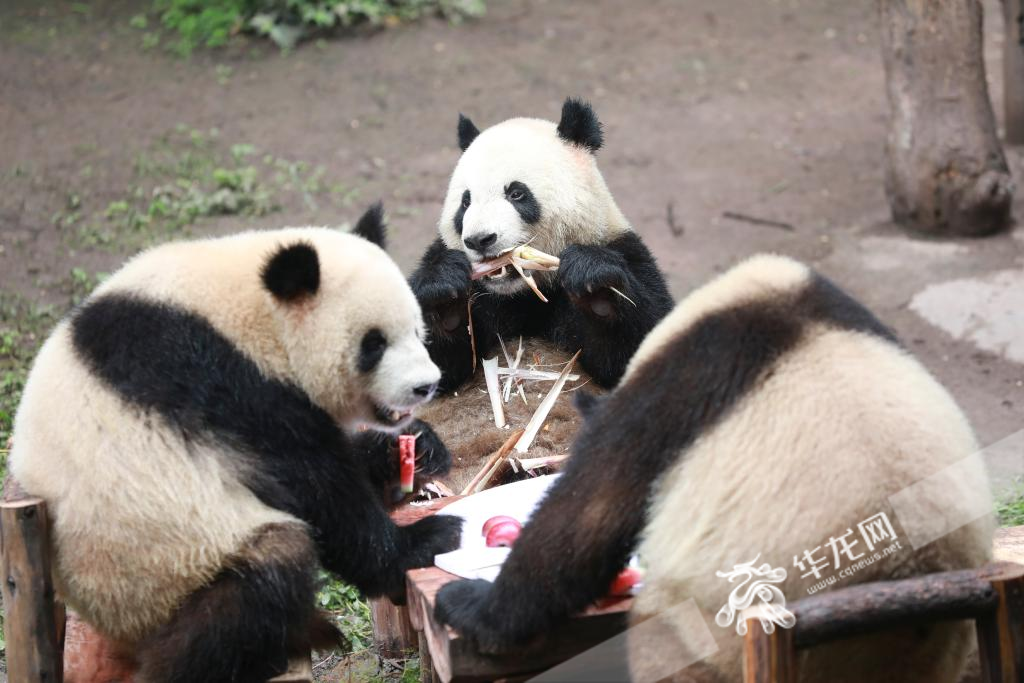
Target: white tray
{"x":473,"y":559}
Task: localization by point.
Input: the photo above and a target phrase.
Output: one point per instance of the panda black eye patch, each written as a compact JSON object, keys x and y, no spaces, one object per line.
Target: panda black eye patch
{"x":461,"y":212}
{"x":371,"y":350}
{"x":519,"y":195}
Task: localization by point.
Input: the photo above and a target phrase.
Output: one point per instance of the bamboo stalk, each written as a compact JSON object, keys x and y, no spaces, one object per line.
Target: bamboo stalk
{"x":494,"y":390}
{"x":541,"y":414}
{"x":487,"y":471}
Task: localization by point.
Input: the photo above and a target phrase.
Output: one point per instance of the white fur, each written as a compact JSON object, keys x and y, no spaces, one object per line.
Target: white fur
{"x":576,"y":206}
{"x":844,"y":421}
{"x":142,"y":518}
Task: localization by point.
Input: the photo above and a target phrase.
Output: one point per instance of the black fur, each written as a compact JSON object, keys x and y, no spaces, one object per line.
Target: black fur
{"x":520,"y":196}
{"x":823,"y":300}
{"x":460,"y":213}
{"x":686,"y":388}
{"x":579,"y":125}
{"x":372,"y":226}
{"x":243,"y":625}
{"x":371,"y":350}
{"x":467,"y":132}
{"x":293,"y":272}
{"x":582,"y":312}
{"x":432,"y":460}
{"x":172,"y":364}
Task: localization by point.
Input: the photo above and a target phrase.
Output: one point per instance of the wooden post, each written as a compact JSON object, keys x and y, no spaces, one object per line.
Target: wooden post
{"x":427,"y":673}
{"x":768,"y":657}
{"x":393,"y":635}
{"x":945,"y":172}
{"x":1013,"y":71}
{"x":1001,"y":634}
{"x":33,"y":651}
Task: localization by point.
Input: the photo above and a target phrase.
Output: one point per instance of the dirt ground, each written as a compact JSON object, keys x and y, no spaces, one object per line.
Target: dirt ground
{"x":774,"y":109}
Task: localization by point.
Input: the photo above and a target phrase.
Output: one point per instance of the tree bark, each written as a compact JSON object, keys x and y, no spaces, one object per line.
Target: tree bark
{"x":946,"y":173}
{"x":1013,"y":71}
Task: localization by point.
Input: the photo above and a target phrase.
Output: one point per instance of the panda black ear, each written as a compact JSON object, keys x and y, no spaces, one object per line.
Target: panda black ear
{"x":579,"y":125}
{"x":371,"y":226}
{"x":467,"y":132}
{"x":587,"y":403}
{"x":293,"y":272}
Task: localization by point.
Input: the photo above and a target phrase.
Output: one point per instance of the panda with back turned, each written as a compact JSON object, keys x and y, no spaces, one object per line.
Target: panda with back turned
{"x":530,"y":181}
{"x":192,"y":428}
{"x":767,"y":413}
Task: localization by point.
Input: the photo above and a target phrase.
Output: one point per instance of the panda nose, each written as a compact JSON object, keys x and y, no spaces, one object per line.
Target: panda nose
{"x":425,"y":390}
{"x":481,"y":242}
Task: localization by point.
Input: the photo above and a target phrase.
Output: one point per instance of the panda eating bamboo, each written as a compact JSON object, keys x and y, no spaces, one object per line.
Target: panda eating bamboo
{"x":535,"y":184}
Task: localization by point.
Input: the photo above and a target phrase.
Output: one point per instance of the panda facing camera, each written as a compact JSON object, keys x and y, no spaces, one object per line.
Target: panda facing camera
{"x":534,"y":182}
{"x":192,"y":427}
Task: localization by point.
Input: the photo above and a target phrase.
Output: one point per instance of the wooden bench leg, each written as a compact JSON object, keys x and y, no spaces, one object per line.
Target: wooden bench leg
{"x":33,"y":647}
{"x":427,"y":673}
{"x":768,"y":657}
{"x":1001,"y":634}
{"x":393,"y":634}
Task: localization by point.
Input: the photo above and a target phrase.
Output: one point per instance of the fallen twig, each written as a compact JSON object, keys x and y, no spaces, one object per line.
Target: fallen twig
{"x":754,"y":220}
{"x":670,"y":217}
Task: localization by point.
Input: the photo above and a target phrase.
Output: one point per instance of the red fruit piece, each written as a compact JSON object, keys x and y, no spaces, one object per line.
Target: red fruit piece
{"x":627,"y":578}
{"x":503,"y":534}
{"x":407,"y":461}
{"x":498,"y":519}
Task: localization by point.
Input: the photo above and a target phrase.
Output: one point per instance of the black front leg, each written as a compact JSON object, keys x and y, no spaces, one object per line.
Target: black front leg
{"x":613,"y":296}
{"x":565,"y":559}
{"x":443,"y":287}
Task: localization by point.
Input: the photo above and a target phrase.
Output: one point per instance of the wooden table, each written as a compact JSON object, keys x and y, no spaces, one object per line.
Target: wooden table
{"x":453,"y":659}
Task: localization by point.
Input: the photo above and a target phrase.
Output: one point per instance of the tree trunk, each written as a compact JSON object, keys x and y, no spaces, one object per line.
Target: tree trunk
{"x":946,"y":173}
{"x":1013,"y":71}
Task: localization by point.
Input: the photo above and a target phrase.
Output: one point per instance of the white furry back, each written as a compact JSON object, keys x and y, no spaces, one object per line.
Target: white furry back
{"x":842,"y":422}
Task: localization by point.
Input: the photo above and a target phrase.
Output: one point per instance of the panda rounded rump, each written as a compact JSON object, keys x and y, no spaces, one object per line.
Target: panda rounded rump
{"x":768,"y":415}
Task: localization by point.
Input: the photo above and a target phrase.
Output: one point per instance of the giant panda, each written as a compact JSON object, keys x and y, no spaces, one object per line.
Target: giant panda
{"x":533,"y":181}
{"x":766,"y":415}
{"x":194,"y":430}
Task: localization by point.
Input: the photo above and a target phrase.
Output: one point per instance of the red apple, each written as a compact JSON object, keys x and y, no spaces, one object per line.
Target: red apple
{"x":498,"y":519}
{"x":627,"y":578}
{"x":503,"y":534}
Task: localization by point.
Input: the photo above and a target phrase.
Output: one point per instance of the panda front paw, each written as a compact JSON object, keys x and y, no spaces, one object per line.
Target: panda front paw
{"x":432,"y":458}
{"x":596,"y":279}
{"x":428,"y":537}
{"x":442,"y":285}
{"x":467,"y":606}
{"x":418,"y":543}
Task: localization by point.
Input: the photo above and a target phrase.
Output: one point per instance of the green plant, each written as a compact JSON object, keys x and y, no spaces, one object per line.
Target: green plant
{"x":211,"y":23}
{"x":198,"y":23}
{"x":186,"y":176}
{"x":23,"y":327}
{"x":349,"y":609}
{"x":1010,"y":510}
